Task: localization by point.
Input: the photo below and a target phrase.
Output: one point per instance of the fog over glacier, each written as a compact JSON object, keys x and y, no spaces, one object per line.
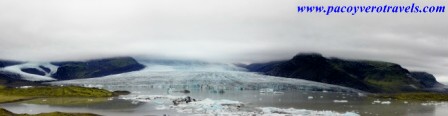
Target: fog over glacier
{"x":230,"y":31}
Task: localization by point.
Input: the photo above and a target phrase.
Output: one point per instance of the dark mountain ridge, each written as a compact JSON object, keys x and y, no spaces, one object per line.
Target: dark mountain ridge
{"x":370,"y":76}
{"x":5,"y":63}
{"x":13,"y":80}
{"x":96,"y":68}
{"x":75,"y":69}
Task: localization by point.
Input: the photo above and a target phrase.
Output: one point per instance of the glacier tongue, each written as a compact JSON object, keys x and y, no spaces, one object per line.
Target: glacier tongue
{"x":32,"y":77}
{"x":204,"y":79}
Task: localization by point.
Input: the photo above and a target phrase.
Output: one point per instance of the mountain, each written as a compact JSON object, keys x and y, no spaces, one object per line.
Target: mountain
{"x":14,"y":80}
{"x":427,"y":80}
{"x":95,"y":68}
{"x":5,"y":63}
{"x":49,"y":71}
{"x":370,"y":76}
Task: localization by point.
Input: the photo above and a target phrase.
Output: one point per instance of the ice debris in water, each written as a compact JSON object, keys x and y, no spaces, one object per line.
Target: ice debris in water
{"x":310,"y":97}
{"x":381,"y":102}
{"x":278,"y":92}
{"x":385,"y":102}
{"x":228,"y":107}
{"x":340,"y":101}
{"x":269,"y":111}
{"x":209,"y":106}
{"x":376,"y":102}
{"x":266,"y":90}
{"x":269,"y":91}
{"x":148,"y":98}
{"x":433,"y":103}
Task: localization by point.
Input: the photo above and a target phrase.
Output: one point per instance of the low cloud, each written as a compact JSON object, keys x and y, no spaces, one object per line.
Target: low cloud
{"x":220,"y":31}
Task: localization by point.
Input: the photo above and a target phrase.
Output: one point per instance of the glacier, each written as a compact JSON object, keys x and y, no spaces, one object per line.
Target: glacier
{"x":181,"y":74}
{"x":199,"y":75}
{"x":16,"y":69}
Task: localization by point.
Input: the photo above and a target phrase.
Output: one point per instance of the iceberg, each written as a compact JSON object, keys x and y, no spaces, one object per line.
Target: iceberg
{"x":340,"y":101}
{"x":385,"y":102}
{"x":267,"y":90}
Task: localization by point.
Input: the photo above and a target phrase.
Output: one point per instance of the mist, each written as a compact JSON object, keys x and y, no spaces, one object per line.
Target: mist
{"x":230,"y":31}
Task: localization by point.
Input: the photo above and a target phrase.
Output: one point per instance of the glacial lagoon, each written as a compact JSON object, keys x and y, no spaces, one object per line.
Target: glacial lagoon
{"x":300,"y":102}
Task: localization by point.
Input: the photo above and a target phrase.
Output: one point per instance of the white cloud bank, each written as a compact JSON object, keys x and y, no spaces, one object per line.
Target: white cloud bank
{"x":219,"y":30}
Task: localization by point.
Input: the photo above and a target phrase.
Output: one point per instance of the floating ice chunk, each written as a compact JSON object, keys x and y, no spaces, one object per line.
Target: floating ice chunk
{"x":340,"y":101}
{"x":385,"y":102}
{"x":267,"y":90}
{"x":376,"y":102}
{"x":310,"y":97}
{"x":278,"y":92}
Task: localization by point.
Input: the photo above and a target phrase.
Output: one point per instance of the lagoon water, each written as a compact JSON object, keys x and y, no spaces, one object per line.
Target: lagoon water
{"x":309,"y":100}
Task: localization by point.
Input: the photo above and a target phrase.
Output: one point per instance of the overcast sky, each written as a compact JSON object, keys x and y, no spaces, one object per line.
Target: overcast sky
{"x":232,"y":31}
